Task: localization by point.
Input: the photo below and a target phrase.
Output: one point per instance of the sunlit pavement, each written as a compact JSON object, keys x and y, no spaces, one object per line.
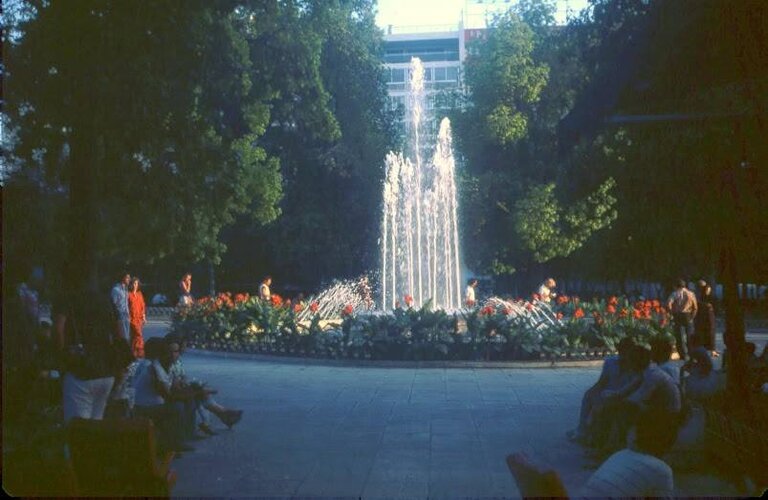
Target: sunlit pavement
{"x":311,"y":430}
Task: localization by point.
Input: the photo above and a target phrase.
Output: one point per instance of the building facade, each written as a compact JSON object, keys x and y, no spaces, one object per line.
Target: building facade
{"x":442,"y":54}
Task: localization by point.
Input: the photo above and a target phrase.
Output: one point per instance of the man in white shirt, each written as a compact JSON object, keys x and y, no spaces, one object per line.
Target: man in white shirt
{"x":683,"y":306}
{"x":264,"y":292}
{"x":469,"y":296}
{"x":119,"y":296}
{"x":633,"y":472}
{"x":545,"y":290}
{"x":637,"y":470}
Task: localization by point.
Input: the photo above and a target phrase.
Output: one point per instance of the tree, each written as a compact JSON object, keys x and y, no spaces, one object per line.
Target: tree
{"x":330,"y":212}
{"x":148,"y":128}
{"x":517,"y":195}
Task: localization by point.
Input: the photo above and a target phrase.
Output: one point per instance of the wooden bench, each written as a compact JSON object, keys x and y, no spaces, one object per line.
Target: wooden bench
{"x":118,"y":458}
{"x":740,"y":447}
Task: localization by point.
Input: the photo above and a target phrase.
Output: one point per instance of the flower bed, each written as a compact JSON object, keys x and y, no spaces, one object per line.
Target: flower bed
{"x":573,"y":329}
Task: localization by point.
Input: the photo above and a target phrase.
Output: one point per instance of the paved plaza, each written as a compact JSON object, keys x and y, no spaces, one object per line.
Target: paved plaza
{"x":314,"y":430}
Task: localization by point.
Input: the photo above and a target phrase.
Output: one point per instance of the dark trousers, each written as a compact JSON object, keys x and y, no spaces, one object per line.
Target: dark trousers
{"x":683,"y":329}
{"x":588,"y":403}
{"x":169,"y":422}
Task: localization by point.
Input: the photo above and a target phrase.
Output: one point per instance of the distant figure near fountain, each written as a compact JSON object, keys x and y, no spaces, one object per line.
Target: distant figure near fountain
{"x":419,"y":230}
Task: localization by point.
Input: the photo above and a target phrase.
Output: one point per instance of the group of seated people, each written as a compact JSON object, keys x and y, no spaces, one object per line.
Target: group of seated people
{"x":643,"y":413}
{"x":77,"y":364}
{"x":637,"y":379}
{"x":157,"y":387}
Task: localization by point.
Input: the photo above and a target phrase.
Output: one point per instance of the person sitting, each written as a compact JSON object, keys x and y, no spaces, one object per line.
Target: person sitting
{"x":657,"y":393}
{"x":637,"y":470}
{"x":152,"y":396}
{"x":661,"y":354}
{"x":202,"y":401}
{"x":618,"y":377}
{"x":701,"y":384}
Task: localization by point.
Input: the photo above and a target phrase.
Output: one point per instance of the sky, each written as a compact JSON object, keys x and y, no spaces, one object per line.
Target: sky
{"x":419,"y":13}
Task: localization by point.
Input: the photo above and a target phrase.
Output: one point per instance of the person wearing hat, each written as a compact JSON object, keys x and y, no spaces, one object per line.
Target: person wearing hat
{"x":704,"y":322}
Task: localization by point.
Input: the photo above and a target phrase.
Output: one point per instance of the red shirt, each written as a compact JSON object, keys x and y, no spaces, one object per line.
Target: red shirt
{"x":136,"y":307}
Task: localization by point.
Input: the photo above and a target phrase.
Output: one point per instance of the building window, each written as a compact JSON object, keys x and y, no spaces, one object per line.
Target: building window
{"x":439,"y":74}
{"x":398,"y":75}
{"x":427,"y":74}
{"x":453,"y":73}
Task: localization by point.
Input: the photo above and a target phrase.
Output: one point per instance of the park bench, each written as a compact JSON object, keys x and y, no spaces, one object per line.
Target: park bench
{"x":739,"y":447}
{"x":118,"y":458}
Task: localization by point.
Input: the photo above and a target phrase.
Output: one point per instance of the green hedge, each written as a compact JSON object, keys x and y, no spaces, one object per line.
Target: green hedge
{"x":575,"y":330}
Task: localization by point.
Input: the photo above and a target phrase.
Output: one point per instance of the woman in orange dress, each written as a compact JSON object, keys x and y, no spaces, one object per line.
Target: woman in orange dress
{"x":138,"y":316}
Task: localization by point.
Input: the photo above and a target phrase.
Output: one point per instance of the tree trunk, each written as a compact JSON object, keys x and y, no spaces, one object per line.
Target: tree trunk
{"x":82,"y":265}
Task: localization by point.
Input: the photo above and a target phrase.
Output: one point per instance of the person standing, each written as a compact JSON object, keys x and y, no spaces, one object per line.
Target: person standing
{"x":469,"y":295}
{"x":545,"y":290}
{"x":683,"y":306}
{"x":364,"y":292}
{"x":119,"y":297}
{"x":264,"y":292}
{"x":185,"y":290}
{"x":138,"y":317}
{"x":704,"y":322}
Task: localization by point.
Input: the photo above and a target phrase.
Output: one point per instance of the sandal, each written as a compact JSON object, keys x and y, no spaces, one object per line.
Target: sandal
{"x":231,"y":417}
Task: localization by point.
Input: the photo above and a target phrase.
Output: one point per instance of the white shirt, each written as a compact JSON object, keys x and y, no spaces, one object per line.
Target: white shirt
{"x":148,"y":373}
{"x":264,"y":291}
{"x":470,"y":294}
{"x":628,"y":473}
{"x":545,"y":293}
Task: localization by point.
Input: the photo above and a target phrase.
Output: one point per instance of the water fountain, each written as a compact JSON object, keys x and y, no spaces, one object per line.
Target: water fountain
{"x":419,"y":239}
{"x":419,"y":229}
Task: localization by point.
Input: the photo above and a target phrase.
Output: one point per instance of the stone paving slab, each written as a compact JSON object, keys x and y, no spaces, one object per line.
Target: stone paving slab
{"x":349,"y":431}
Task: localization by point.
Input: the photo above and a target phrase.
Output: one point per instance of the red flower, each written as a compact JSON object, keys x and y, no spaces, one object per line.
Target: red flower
{"x":578,"y":313}
{"x":347,"y":311}
{"x":277,"y":300}
{"x":613,"y":300}
{"x":297,"y":308}
{"x":529,"y":306}
{"x":624,"y":312}
{"x":536,"y":296}
{"x":637,"y":314}
{"x":562,"y":299}
{"x":314,"y":306}
{"x":241,"y":297}
{"x":610,"y":309}
{"x":507,"y":311}
{"x":486,"y":311}
{"x":559,"y":315}
{"x":408,"y":300}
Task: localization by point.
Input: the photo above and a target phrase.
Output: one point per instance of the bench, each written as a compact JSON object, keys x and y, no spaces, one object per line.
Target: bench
{"x":740,"y":447}
{"x":118,"y":458}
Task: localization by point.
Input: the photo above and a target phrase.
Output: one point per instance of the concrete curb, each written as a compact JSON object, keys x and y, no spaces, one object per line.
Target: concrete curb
{"x":359,"y":363}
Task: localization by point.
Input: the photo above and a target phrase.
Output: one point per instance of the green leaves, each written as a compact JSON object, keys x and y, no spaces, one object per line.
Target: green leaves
{"x":547,"y":230}
{"x":506,"y":126}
